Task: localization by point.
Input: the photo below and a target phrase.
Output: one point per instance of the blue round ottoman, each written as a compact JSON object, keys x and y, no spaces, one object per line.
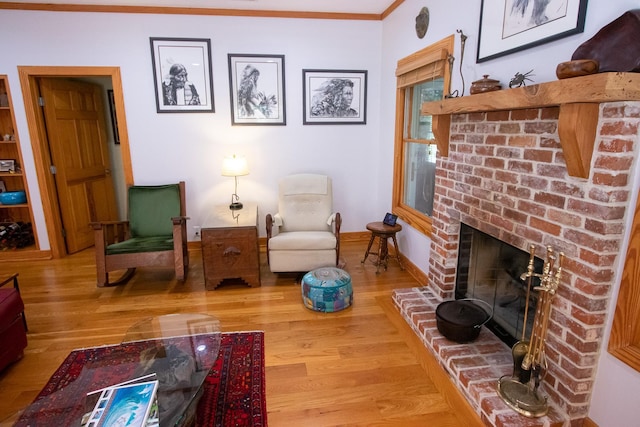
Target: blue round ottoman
{"x":327,"y":289}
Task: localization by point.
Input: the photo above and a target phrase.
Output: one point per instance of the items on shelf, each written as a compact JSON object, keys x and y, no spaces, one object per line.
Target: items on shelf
{"x":16,"y":235}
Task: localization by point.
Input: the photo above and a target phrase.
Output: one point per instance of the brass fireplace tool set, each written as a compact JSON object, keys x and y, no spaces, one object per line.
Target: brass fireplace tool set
{"x":520,"y":390}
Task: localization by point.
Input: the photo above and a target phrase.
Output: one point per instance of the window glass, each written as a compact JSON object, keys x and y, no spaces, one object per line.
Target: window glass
{"x":419,"y":154}
{"x":420,"y":176}
{"x":424,"y":92}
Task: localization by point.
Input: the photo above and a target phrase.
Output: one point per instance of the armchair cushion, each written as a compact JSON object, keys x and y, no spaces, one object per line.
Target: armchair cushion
{"x":141,"y":244}
{"x":149,"y":208}
{"x":305,"y":203}
{"x":303,"y":240}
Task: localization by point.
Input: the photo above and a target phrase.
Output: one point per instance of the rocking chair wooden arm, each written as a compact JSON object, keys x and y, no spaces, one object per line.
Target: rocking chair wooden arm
{"x":180,"y":220}
{"x":110,"y":232}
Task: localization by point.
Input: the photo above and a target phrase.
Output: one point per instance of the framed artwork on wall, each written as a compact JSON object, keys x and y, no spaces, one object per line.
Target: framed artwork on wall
{"x":508,"y":26}
{"x":334,"y":97}
{"x":256,"y":85}
{"x":182,"y":75}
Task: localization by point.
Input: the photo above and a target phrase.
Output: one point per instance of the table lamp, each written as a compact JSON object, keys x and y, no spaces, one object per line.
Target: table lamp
{"x":235,"y":166}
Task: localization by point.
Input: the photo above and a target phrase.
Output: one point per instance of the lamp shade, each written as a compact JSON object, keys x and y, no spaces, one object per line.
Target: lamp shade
{"x":234,"y":166}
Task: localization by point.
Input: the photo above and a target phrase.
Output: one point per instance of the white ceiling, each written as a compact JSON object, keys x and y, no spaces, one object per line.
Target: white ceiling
{"x":327,"y":6}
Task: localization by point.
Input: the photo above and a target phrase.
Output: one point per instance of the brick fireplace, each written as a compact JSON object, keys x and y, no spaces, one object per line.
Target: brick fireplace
{"x":506,"y":175}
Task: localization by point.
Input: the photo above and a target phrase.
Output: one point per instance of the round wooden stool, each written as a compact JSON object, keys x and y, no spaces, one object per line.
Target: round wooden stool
{"x":383,"y":232}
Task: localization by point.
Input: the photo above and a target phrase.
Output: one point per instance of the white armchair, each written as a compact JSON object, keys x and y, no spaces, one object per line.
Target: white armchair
{"x":305,"y":233}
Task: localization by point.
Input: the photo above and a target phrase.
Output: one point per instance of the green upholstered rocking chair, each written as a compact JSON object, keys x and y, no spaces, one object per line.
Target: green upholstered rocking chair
{"x":154,"y":235}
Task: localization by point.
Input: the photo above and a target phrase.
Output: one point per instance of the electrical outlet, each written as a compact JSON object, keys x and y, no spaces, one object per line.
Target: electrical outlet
{"x":196,"y":232}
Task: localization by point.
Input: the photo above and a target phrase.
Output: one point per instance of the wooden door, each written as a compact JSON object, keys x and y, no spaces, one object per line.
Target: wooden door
{"x":75,"y":120}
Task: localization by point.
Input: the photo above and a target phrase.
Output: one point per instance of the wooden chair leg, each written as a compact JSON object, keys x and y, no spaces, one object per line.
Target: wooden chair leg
{"x":366,"y":254}
{"x":397,"y":249}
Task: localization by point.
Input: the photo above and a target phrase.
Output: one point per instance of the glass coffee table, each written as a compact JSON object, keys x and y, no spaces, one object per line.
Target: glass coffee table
{"x":179,"y":349}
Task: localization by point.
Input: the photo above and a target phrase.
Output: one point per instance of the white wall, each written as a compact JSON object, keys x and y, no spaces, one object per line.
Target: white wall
{"x":169,"y":147}
{"x":617,"y":386}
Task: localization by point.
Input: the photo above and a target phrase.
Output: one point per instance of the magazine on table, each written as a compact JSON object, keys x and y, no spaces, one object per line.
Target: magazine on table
{"x":132,"y":403}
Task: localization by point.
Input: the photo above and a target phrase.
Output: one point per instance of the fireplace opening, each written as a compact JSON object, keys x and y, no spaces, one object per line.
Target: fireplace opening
{"x":491,"y":270}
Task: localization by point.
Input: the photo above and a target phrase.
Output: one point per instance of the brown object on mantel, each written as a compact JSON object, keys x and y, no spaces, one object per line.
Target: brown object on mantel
{"x":578,"y":99}
{"x":485,"y":84}
{"x":577,"y":68}
{"x":615,"y":46}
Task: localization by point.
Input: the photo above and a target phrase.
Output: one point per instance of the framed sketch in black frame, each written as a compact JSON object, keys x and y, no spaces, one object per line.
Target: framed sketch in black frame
{"x":256,"y":86}
{"x":182,"y":75}
{"x":509,"y":26}
{"x":334,"y":97}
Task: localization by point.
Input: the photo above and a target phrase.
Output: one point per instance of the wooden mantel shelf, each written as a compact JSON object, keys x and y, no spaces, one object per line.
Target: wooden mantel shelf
{"x":578,"y":98}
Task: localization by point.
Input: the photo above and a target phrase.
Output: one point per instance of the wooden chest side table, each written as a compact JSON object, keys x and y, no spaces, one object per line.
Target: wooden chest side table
{"x":230,"y":246}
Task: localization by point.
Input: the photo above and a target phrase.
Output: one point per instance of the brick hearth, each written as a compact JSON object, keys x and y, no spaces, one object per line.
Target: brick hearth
{"x":506,"y":175}
{"x":474,"y":367}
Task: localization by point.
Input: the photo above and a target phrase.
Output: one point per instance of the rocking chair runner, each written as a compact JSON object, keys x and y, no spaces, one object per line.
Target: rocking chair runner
{"x":154,"y":235}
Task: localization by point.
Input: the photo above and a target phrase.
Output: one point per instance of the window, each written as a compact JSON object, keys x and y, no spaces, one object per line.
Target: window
{"x":421,"y":77}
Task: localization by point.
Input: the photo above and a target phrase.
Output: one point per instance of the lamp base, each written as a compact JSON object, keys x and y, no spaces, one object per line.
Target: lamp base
{"x":235,"y":206}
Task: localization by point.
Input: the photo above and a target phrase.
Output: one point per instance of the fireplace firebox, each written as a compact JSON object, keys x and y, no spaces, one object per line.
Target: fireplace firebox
{"x":491,"y":270}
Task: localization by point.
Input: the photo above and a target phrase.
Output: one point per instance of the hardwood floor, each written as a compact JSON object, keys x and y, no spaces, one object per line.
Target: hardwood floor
{"x":362,"y":366}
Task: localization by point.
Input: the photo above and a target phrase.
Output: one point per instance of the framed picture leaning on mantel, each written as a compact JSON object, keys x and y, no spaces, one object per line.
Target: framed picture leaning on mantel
{"x":334,"y":97}
{"x":256,"y":85}
{"x":509,"y":26}
{"x":182,"y":75}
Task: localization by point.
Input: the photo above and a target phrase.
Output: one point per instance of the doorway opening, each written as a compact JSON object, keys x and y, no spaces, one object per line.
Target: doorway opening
{"x":30,"y":78}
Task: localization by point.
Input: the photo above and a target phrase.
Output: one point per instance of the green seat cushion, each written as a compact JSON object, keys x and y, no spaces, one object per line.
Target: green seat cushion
{"x":141,"y":244}
{"x":151,"y":209}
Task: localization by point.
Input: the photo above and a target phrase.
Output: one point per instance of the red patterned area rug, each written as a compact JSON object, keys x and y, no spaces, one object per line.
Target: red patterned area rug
{"x":233,"y":392}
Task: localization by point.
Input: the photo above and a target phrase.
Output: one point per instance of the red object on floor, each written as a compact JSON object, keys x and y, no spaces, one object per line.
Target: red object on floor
{"x":13,"y":333}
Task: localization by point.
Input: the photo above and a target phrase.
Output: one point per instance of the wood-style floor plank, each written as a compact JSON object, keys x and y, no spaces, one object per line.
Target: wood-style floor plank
{"x":362,"y":366}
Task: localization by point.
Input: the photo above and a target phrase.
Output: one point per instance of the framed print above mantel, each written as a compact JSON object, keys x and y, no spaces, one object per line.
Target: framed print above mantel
{"x":182,"y":75}
{"x":334,"y":97}
{"x":256,"y":86}
{"x":509,"y":26}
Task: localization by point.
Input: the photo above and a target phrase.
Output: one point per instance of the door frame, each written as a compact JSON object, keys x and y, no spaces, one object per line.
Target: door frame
{"x":29,"y":76}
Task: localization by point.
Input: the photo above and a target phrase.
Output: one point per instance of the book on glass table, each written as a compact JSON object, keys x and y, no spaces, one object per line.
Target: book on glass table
{"x":133,"y":403}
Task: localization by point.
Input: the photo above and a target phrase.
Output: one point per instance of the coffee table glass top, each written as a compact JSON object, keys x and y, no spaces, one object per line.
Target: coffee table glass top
{"x":172,"y":325}
{"x":179,"y":349}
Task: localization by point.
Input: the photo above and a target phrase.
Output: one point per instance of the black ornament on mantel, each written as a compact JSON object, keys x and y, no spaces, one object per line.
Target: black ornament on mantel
{"x":422,"y":22}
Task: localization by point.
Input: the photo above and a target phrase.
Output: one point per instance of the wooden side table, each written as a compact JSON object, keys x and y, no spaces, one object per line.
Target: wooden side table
{"x":230,"y":246}
{"x":383,"y":232}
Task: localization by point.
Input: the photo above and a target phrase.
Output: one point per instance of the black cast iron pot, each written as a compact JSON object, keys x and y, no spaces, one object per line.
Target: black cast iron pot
{"x":461,"y":320}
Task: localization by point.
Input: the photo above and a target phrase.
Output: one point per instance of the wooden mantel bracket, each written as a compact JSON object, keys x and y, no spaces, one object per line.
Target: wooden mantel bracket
{"x":578,"y":99}
{"x":577,"y":126}
{"x":440,"y":126}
